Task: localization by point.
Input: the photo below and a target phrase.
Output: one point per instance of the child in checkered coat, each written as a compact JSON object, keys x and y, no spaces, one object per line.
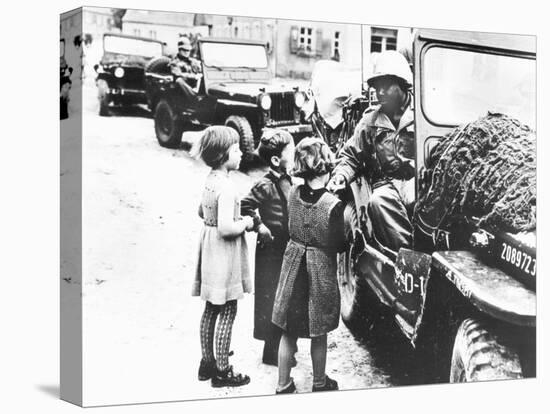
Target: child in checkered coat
{"x":222,"y":274}
{"x":307,"y":301}
{"x":267,"y":204}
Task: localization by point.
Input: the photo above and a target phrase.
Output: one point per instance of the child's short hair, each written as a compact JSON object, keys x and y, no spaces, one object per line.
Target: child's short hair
{"x":272,"y":143}
{"x":214,"y":145}
{"x":313,"y":158}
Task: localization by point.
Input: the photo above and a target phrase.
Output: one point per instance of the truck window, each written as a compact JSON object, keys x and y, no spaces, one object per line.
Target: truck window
{"x":459,"y":86}
{"x":227,"y":55}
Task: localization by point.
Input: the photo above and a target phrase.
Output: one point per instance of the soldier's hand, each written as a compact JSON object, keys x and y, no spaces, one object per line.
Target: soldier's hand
{"x":264,"y":235}
{"x":176,"y":71}
{"x":336,"y":183}
{"x":248,"y":223}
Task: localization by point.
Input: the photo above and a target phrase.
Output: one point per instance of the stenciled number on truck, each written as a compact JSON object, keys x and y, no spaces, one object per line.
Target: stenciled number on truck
{"x":405,"y":282}
{"x":519,"y":259}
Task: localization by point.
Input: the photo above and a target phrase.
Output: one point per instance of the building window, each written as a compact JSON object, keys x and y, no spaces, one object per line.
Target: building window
{"x":336,"y":46}
{"x":306,"y":39}
{"x":257,"y":31}
{"x":152,"y":34}
{"x":236,"y":30}
{"x":137,"y":32}
{"x":382,"y":39}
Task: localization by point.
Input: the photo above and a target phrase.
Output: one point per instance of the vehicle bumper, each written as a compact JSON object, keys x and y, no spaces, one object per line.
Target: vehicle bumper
{"x":127,"y":95}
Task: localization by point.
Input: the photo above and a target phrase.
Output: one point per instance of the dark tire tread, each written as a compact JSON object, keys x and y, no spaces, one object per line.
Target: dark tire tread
{"x":246,"y":136}
{"x":478,"y":355}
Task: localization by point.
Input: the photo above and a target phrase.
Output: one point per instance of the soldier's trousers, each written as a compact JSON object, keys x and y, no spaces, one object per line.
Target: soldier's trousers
{"x":188,"y":92}
{"x":390,"y":221}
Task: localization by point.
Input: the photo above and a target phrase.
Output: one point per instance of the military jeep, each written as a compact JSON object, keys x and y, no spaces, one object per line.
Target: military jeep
{"x":121,"y":72}
{"x":236,"y":90}
{"x":466,"y":301}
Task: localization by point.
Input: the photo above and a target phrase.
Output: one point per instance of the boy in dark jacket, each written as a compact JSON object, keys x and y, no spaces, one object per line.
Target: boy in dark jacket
{"x":266,"y":203}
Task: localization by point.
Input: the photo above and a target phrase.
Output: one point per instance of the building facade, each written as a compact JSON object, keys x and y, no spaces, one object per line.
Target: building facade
{"x":293,"y":46}
{"x":167,"y":27}
{"x":301,"y":43}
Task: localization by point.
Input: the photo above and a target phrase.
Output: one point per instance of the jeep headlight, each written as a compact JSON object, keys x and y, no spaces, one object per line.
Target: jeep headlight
{"x":299,"y":99}
{"x":119,"y":72}
{"x":265,"y":102}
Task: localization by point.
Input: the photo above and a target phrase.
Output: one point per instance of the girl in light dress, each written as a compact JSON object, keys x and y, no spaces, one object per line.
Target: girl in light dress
{"x":222,"y":273}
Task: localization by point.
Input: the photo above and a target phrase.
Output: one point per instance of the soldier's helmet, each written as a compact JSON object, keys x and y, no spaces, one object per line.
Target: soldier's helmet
{"x":184,"y":43}
{"x":391,"y":63}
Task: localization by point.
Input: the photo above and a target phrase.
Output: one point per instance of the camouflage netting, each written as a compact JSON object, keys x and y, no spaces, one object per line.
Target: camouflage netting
{"x":485,"y":169}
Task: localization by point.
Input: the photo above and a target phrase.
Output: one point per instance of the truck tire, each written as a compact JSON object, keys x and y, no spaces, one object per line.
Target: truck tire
{"x":158,"y":65}
{"x":479,"y":356}
{"x":103,"y":97}
{"x":168,"y":128}
{"x":358,"y":305}
{"x":246,"y":136}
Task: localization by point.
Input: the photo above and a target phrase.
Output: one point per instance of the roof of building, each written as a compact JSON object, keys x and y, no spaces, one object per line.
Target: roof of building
{"x":158,"y":18}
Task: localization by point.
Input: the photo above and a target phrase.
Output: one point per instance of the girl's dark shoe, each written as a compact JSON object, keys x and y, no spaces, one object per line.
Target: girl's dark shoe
{"x":290,"y":389}
{"x":330,"y":385}
{"x":228,"y":378}
{"x":207,"y":370}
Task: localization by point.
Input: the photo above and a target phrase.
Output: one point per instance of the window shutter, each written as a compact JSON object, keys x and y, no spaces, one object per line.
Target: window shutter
{"x":319,"y":42}
{"x":294,"y":38}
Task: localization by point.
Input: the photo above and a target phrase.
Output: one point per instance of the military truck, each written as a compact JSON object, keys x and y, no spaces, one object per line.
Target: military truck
{"x":467,"y":309}
{"x":121,"y":72}
{"x":236,"y":90}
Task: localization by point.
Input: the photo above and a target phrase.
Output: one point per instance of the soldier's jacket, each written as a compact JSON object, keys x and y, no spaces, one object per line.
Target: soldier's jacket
{"x":378,"y":149}
{"x":180,"y":65}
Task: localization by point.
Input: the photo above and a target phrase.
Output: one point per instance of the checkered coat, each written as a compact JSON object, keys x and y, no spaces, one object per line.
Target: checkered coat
{"x":313,"y":235}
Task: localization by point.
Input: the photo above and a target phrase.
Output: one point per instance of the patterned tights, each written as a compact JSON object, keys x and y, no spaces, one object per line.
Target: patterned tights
{"x":226,"y":317}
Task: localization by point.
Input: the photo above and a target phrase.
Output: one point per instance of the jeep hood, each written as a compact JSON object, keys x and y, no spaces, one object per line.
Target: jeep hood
{"x":247,"y":92}
{"x":111,"y":59}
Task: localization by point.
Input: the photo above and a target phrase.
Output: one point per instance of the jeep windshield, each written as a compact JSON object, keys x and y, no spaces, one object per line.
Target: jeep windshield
{"x":234,"y":55}
{"x":459,"y":86}
{"x":129,"y":46}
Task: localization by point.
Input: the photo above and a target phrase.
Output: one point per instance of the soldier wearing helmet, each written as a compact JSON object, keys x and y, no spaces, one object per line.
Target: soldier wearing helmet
{"x":382,"y":148}
{"x":186,"y":70}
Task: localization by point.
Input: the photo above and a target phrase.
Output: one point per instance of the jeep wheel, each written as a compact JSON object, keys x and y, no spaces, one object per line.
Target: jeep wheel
{"x":103,"y":97}
{"x":242,"y":126}
{"x":168,"y":127}
{"x":358,"y":305}
{"x":479,"y":356}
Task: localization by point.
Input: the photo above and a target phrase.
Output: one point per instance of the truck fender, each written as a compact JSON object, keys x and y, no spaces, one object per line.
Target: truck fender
{"x":489,"y":289}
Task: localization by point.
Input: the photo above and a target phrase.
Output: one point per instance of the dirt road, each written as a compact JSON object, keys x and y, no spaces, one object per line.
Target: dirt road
{"x":140,"y":232}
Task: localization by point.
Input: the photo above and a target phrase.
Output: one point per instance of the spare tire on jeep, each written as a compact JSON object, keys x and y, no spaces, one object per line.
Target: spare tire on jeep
{"x":158,"y":65}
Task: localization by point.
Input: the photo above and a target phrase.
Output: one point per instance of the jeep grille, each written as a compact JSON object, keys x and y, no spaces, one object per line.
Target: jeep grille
{"x":282,"y":107}
{"x":133,"y":79}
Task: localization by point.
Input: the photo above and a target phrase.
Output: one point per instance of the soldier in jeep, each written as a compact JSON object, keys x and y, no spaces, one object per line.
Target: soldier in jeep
{"x":382,"y":147}
{"x":186,"y":70}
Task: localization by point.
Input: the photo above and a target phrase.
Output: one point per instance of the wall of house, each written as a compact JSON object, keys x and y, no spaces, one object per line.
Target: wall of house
{"x":301,"y":43}
{"x":404,"y":41}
